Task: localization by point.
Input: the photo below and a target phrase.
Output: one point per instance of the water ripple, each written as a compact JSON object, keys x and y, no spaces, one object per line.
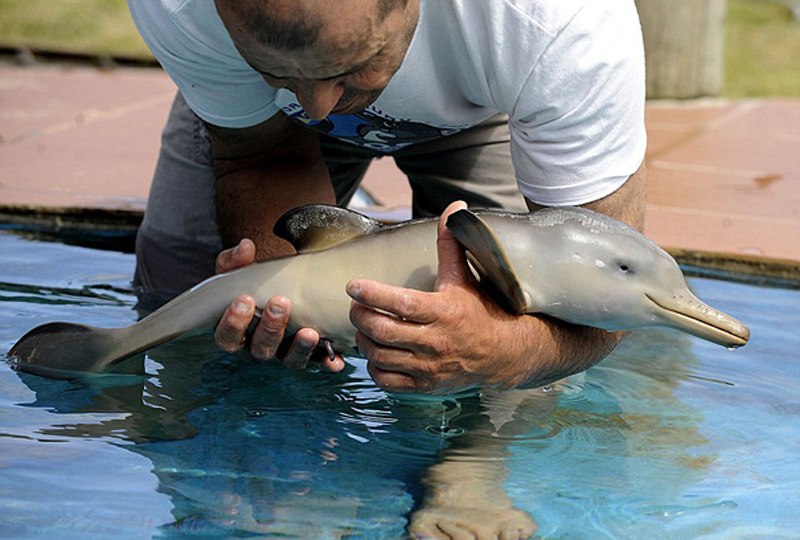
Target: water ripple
{"x":82,"y":296}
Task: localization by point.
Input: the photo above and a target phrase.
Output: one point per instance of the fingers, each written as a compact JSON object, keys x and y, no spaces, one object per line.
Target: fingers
{"x":387,"y":330}
{"x":269,"y":336}
{"x":268,"y":339}
{"x":269,"y":332}
{"x":236,"y":257}
{"x":404,"y":304}
{"x":392,"y":380}
{"x":232,"y":327}
{"x":403,"y":356}
{"x":398,"y":370}
{"x":301,"y":349}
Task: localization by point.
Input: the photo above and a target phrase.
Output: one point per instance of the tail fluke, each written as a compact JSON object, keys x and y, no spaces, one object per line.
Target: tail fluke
{"x":64,"y":350}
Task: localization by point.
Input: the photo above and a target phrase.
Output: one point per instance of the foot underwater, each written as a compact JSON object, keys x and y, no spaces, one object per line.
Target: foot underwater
{"x":569,"y":263}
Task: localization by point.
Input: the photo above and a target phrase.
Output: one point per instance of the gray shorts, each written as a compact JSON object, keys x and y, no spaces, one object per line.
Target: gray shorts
{"x":178,"y":241}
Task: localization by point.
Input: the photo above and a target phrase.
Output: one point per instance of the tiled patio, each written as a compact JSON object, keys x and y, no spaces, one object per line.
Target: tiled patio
{"x":724,"y":177}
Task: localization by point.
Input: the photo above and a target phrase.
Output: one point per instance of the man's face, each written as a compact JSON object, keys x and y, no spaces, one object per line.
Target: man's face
{"x":349,"y":65}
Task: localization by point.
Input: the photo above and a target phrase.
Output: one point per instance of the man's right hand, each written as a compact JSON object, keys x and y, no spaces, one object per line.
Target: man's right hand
{"x":267,"y":341}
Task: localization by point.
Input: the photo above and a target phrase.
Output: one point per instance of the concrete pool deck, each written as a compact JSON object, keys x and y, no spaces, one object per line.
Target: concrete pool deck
{"x":724,"y":176}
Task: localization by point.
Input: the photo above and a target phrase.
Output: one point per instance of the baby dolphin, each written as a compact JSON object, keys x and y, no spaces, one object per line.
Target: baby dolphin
{"x":569,"y":263}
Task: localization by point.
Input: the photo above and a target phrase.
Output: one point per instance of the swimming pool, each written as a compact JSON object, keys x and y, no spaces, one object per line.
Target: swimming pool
{"x":670,"y":437}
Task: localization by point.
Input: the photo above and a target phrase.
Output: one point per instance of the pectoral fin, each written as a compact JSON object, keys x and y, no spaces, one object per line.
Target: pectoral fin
{"x":316,"y":227}
{"x":487,"y":255}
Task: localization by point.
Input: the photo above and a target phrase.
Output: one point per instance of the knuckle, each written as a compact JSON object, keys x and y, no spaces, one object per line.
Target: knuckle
{"x":443,"y":346}
{"x":437,"y":345}
{"x":406,"y":303}
{"x":263,"y":351}
{"x":370,"y":350}
{"x":266,"y":341}
{"x":451,"y":312}
{"x":271,"y":329}
{"x":228,"y":338}
{"x":429,"y":378}
{"x":380,"y":328}
{"x":228,"y":348}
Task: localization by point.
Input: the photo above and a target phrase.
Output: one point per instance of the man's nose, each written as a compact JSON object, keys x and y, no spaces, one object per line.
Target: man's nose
{"x":319,"y":98}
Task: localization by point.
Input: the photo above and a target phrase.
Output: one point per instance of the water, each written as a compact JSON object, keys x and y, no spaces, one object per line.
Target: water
{"x":670,"y":437}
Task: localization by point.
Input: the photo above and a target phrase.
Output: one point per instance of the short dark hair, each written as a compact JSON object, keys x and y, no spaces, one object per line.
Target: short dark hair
{"x":291,"y":35}
{"x":294,"y":31}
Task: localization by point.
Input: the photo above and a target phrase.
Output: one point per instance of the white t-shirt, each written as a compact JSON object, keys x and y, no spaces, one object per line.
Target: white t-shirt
{"x":569,"y":73}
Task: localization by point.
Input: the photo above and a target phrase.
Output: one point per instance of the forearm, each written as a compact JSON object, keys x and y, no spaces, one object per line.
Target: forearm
{"x":550,"y":349}
{"x":255,"y":188}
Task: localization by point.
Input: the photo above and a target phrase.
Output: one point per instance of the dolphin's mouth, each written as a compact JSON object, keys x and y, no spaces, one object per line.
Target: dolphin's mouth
{"x":689,"y":314}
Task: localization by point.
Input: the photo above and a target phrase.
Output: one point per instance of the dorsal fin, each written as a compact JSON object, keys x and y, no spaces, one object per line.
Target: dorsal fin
{"x":489,"y":258}
{"x":315,"y":227}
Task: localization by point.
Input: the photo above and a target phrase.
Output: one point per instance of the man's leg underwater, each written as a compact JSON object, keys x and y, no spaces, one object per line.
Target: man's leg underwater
{"x":178,"y":241}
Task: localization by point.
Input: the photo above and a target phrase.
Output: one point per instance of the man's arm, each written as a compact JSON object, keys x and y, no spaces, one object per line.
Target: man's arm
{"x":457,"y":337}
{"x":262,"y":172}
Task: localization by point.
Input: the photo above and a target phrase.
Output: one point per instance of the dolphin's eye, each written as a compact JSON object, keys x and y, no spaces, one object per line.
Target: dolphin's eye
{"x":624,"y":268}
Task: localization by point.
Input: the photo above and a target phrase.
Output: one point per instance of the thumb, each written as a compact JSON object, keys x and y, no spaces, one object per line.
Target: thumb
{"x":241,"y":255}
{"x":453,"y":267}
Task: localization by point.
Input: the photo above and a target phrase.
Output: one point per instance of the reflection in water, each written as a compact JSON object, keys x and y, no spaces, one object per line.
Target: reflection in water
{"x":243,"y":448}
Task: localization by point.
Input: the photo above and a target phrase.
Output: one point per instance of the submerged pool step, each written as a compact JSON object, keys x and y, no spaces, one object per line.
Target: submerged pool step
{"x":113,"y":230}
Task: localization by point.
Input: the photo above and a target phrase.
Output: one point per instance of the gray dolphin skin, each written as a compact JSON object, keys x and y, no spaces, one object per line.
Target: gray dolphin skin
{"x":569,"y":263}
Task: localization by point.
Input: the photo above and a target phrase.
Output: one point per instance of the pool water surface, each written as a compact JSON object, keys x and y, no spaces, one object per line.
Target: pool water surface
{"x":670,"y":437}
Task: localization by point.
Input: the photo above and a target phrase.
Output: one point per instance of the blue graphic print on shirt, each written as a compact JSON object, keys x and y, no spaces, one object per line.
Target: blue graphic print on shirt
{"x":370,"y":129}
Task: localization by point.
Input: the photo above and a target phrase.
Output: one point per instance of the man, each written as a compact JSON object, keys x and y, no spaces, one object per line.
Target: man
{"x":473,"y":99}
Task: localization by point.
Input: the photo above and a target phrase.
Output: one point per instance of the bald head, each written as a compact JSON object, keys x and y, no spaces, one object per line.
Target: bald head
{"x":292,"y":25}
